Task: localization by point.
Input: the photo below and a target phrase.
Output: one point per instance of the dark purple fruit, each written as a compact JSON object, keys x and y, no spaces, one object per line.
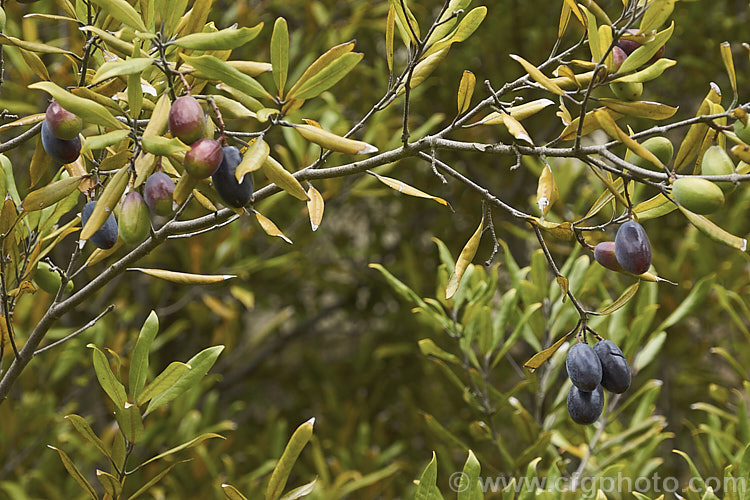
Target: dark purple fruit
{"x":158,"y":193}
{"x":62,"y":123}
{"x":235,"y":194}
{"x":632,"y":248}
{"x":186,"y":119}
{"x":204,"y":158}
{"x":584,"y":367}
{"x":604,"y":253}
{"x":585,"y":407}
{"x":615,"y":368}
{"x":106,"y":236}
{"x":60,"y":150}
{"x":135,"y":220}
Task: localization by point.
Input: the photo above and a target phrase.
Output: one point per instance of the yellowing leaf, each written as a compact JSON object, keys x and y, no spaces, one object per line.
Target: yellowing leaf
{"x":623,"y":299}
{"x":657,"y":13}
{"x":122,"y":11}
{"x":50,"y":194}
{"x":404,"y":188}
{"x":654,"y":207}
{"x":516,"y":129}
{"x":106,"y":203}
{"x":650,"y":73}
{"x":226,"y":39}
{"x":713,"y":231}
{"x":390,"y":23}
{"x":466,"y":91}
{"x":464,"y":259}
{"x":315,"y":207}
{"x":546,"y":191}
{"x":640,"y":109}
{"x":269,"y":227}
{"x":331,"y":141}
{"x":184,"y":278}
{"x":253,"y":158}
{"x":280,"y":176}
{"x":541,"y":357}
{"x":538,"y":76}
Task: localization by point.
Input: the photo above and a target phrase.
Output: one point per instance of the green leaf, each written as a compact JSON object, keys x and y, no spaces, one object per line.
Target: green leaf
{"x":123,"y":12}
{"x":427,"y":488}
{"x":283,"y":468}
{"x":321,"y":63}
{"x":656,"y":14}
{"x":50,"y":194}
{"x":649,"y":351}
{"x":645,"y":52}
{"x":303,"y":491}
{"x":143,"y":489}
{"x":89,"y":111}
{"x":695,"y":299}
{"x":85,"y":430}
{"x":112,"y":69}
{"x":697,"y":479}
{"x":326,"y":78}
{"x":96,"y":142}
{"x":713,"y":231}
{"x":232,"y":493}
{"x":280,"y":54}
{"x":220,"y":70}
{"x":130,"y":421}
{"x":114,"y":389}
{"x":110,"y":483}
{"x":650,"y":73}
{"x":163,"y":381}
{"x":75,"y":473}
{"x":429,"y":348}
{"x":470,"y":488}
{"x":190,"y":444}
{"x":139,"y":361}
{"x":226,"y":39}
{"x":162,"y":146}
{"x":623,"y":299}
{"x":464,"y":259}
{"x":199,"y":364}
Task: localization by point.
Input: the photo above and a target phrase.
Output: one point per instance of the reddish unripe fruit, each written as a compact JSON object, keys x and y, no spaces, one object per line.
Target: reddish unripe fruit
{"x":62,"y":123}
{"x":204,"y":158}
{"x":158,"y":193}
{"x":106,"y":236}
{"x":60,"y":150}
{"x":618,"y":57}
{"x":629,"y":46}
{"x":235,"y":194}
{"x":604,"y":253}
{"x":186,"y":119}
{"x":632,"y":248}
{"x":135,"y":221}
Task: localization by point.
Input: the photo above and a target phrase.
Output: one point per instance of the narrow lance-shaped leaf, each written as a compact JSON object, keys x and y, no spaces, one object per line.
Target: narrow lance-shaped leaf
{"x":283,"y":468}
{"x":470,"y":488}
{"x":326,"y":78}
{"x":114,"y":389}
{"x":713,"y":231}
{"x":538,"y":76}
{"x":50,"y":194}
{"x":657,"y":13}
{"x":96,"y":142}
{"x":151,"y":482}
{"x":623,"y":299}
{"x":650,"y":73}
{"x":162,"y":382}
{"x":110,"y":483}
{"x":85,"y":430}
{"x":253,"y":158}
{"x":280,"y":176}
{"x":466,"y":91}
{"x":464,"y":259}
{"x":541,"y":357}
{"x":226,"y":39}
{"x":645,"y":52}
{"x":314,"y":133}
{"x":428,"y":481}
{"x":190,"y":444}
{"x":232,"y":493}
{"x":112,"y":69}
{"x":640,"y":109}
{"x":163,"y":146}
{"x":75,"y":473}
{"x":546,"y":191}
{"x":184,"y":278}
{"x":106,"y":203}
{"x":139,"y":361}
{"x":269,"y":227}
{"x":123,"y":12}
{"x":220,"y":70}
{"x":390,"y":22}
{"x":406,"y":189}
{"x":562,"y":25}
{"x":322,"y":62}
{"x":280,"y":54}
{"x":31,"y":46}
{"x":307,"y":488}
{"x":516,"y":129}
{"x":315,"y":207}
{"x":88,"y":110}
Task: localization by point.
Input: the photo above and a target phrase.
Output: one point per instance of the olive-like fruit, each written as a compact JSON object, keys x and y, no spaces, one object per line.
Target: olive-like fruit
{"x":632,"y":248}
{"x":604,"y":254}
{"x":49,"y":280}
{"x":204,"y":158}
{"x":158,"y":193}
{"x":61,"y":150}
{"x":135,"y":219}
{"x":629,"y":46}
{"x":235,"y":194}
{"x":62,"y":123}
{"x":615,"y":368}
{"x":698,"y":195}
{"x":585,"y":407}
{"x":661,"y":147}
{"x":106,"y":236}
{"x":618,"y":57}
{"x":583,"y":367}
{"x":742,"y":131}
{"x":186,"y":119}
{"x":716,"y":161}
{"x":627,"y":91}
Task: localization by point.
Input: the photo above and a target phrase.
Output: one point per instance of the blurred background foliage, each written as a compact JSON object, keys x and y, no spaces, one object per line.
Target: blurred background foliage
{"x":311,"y":330}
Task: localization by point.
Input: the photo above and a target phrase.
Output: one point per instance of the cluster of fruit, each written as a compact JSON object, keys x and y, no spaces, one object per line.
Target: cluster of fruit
{"x":591,"y":370}
{"x":630,"y":252}
{"x":206,"y":158}
{"x":629,"y":91}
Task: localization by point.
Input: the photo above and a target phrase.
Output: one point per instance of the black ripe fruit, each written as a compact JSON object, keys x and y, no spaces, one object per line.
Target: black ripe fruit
{"x":585,"y":407}
{"x":632,"y":248}
{"x":584,"y":367}
{"x":186,"y":119}
{"x":235,"y":194}
{"x":61,"y":150}
{"x":615,"y":368}
{"x":106,"y":236}
{"x":204,"y":158}
{"x":158,"y":193}
{"x":62,"y":123}
{"x":604,"y":254}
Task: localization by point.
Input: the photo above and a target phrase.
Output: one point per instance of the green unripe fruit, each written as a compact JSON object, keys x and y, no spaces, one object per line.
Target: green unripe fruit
{"x":49,"y":280}
{"x":134,"y":220}
{"x":698,"y":195}
{"x":661,"y":147}
{"x":716,"y":161}
{"x":742,"y":131}
{"x":627,"y":91}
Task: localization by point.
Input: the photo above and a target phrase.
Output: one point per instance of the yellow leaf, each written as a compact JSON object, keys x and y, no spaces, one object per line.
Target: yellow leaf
{"x":184,"y":278}
{"x":269,"y":227}
{"x":541,"y":357}
{"x":280,"y":176}
{"x":315,"y":207}
{"x":546,"y":191}
{"x":466,"y":91}
{"x":538,"y":76}
{"x":334,"y":142}
{"x":404,"y":188}
{"x":516,"y":129}
{"x":253,"y":158}
{"x":713,"y":231}
{"x":464,"y":259}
